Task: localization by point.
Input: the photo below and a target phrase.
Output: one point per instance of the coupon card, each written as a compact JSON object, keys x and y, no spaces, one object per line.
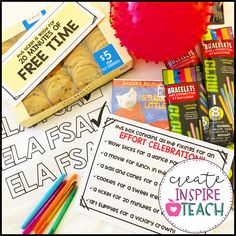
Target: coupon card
{"x":128,"y":162}
{"x":44,"y":46}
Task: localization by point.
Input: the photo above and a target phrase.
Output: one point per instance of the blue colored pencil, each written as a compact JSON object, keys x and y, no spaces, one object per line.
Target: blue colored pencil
{"x":43,"y":201}
{"x":232,"y":102}
{"x":203,"y":103}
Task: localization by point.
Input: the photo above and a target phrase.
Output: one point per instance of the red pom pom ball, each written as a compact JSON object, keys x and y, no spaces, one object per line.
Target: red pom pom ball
{"x":157,"y":31}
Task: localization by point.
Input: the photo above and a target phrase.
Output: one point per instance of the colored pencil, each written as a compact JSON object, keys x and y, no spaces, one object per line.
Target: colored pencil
{"x":203,"y":97}
{"x":203,"y":103}
{"x":54,"y":203}
{"x":204,"y":109}
{"x":203,"y":89}
{"x":63,"y":211}
{"x":232,"y":87}
{"x":192,"y":130}
{"x":214,"y":100}
{"x":189,"y":134}
{"x":33,"y":222}
{"x":226,"y":103}
{"x":230,"y":94}
{"x":228,"y":84}
{"x":227,"y":97}
{"x":197,"y":132}
{"x":225,"y":109}
{"x":43,"y":201}
{"x":200,"y":128}
{"x":232,"y":102}
{"x":55,"y":210}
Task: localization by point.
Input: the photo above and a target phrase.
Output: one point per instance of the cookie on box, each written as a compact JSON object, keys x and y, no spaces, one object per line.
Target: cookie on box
{"x":36,"y":101}
{"x":81,"y":67}
{"x":95,"y":40}
{"x":58,"y":86}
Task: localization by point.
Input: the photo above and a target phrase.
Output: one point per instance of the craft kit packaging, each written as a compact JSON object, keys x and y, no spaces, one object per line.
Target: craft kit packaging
{"x":182,"y":97}
{"x":140,"y":100}
{"x":79,"y":65}
{"x":218,"y":52}
{"x":189,"y":60}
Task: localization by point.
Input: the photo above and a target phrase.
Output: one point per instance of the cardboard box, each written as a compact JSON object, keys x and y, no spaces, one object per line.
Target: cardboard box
{"x":95,"y":61}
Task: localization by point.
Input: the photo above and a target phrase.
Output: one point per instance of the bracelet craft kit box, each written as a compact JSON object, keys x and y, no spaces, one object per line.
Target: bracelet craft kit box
{"x":69,"y":53}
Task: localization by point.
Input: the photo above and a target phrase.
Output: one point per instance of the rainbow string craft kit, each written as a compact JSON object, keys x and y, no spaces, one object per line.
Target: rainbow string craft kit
{"x":182,"y":96}
{"x":218,"y":50}
{"x":70,"y":53}
{"x":200,"y":96}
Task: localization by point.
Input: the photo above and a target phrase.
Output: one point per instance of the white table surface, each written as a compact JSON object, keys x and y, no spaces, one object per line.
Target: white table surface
{"x":74,"y":223}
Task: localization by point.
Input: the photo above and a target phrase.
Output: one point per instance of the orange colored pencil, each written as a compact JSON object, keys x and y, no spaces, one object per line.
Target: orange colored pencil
{"x":54,"y":203}
{"x":48,"y":220}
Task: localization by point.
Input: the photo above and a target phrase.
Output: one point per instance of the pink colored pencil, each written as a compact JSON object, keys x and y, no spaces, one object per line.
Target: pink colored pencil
{"x":203,"y":89}
{"x":193,"y":130}
{"x":34,"y":221}
{"x":228,"y":84}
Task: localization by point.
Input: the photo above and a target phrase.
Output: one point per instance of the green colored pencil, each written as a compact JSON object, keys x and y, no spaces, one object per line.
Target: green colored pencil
{"x":197,"y":132}
{"x":63,"y":211}
{"x":189,"y":134}
{"x":203,"y":97}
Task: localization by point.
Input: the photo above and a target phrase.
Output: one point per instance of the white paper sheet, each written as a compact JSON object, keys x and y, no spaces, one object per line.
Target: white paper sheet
{"x":127,"y":163}
{"x":33,"y":158}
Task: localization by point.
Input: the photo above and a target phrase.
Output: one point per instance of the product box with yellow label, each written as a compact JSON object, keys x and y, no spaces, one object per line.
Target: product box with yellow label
{"x":69,"y":53}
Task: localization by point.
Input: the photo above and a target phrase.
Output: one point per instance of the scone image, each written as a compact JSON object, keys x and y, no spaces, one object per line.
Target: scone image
{"x":95,"y":40}
{"x":58,"y":86}
{"x":36,"y":101}
{"x":81,"y":67}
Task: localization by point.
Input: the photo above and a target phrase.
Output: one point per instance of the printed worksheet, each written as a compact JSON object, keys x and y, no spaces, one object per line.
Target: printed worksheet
{"x":127,"y":164}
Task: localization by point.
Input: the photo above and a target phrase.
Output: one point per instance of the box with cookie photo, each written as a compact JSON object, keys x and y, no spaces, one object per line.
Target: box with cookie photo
{"x":95,"y":60}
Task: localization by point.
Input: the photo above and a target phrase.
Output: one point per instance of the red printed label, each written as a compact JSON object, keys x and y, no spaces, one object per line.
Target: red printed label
{"x":178,"y":93}
{"x":224,"y":48}
{"x":187,"y":60}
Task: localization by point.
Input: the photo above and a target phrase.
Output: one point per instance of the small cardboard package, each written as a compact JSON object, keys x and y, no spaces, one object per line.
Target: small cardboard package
{"x":69,"y":53}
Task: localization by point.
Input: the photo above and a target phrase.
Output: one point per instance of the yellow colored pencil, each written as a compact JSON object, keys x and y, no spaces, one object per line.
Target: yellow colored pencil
{"x":232,"y":88}
{"x":225,"y":109}
{"x":200,"y":128}
{"x":204,"y":109}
